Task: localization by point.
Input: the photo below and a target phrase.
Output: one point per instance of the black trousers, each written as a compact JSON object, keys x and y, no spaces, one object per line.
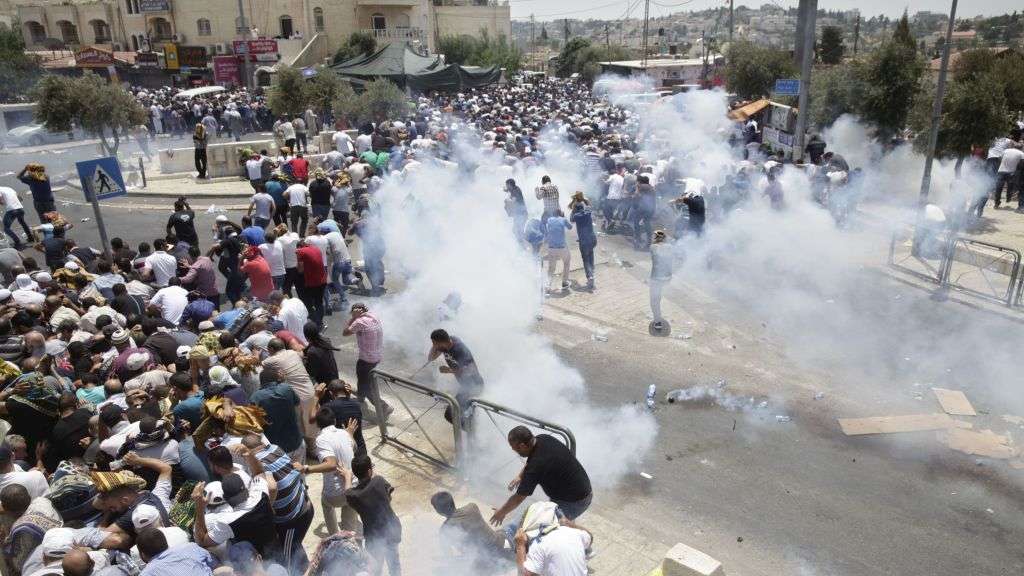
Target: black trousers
{"x":313,"y":298}
{"x":201,"y":162}
{"x":289,"y":551}
{"x":366,"y":386}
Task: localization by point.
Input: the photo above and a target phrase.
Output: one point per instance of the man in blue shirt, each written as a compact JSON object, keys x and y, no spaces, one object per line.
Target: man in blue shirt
{"x":278,"y":400}
{"x":583,"y":218}
{"x":253,"y":235}
{"x":554,"y":235}
{"x":161,"y":560}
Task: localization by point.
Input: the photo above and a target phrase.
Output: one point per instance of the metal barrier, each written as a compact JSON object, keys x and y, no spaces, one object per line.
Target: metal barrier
{"x":914,"y":262}
{"x":985,"y":260}
{"x":490,"y":407}
{"x":392,"y":381}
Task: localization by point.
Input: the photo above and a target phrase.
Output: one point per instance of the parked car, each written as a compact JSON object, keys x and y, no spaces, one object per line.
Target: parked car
{"x":38,"y":135}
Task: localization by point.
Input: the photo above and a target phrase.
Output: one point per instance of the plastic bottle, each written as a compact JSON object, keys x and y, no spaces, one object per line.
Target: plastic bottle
{"x":651,"y":391}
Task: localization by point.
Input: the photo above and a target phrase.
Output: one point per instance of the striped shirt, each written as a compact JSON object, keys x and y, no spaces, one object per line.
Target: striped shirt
{"x":291,"y":491}
{"x":549,"y":194}
{"x":369,"y":337}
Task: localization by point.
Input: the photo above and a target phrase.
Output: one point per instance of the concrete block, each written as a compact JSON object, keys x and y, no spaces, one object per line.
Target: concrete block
{"x":682,"y":560}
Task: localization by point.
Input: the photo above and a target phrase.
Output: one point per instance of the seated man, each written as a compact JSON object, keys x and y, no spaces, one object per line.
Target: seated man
{"x":467,"y":534}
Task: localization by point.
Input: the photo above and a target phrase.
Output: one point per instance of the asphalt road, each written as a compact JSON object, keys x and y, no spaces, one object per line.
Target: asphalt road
{"x":797,"y":497}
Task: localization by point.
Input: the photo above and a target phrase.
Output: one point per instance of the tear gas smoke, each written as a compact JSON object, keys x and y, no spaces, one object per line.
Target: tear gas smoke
{"x":446,"y":230}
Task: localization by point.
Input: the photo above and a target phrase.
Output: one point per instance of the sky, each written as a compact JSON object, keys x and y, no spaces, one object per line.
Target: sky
{"x":608,"y":9}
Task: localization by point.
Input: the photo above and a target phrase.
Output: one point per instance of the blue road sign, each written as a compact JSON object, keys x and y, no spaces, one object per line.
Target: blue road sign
{"x":101,"y":177}
{"x":787,"y":87}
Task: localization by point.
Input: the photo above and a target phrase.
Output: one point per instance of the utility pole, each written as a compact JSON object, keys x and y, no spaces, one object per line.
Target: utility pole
{"x":940,"y":90}
{"x":798,"y":41}
{"x":647,"y":12}
{"x":856,"y":34}
{"x":607,"y":41}
{"x":730,"y":20}
{"x":566,"y":24}
{"x":533,"y":40}
{"x":243,"y":31}
{"x":805,"y":78}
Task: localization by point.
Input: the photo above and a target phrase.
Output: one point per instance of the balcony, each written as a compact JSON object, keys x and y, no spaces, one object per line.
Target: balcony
{"x":408,"y":3}
{"x":397,"y":34}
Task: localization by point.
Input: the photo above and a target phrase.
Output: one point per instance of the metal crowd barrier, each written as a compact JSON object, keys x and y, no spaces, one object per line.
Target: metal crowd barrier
{"x":392,"y":381}
{"x":491,"y":407}
{"x":922,"y":268}
{"x":984,"y":266}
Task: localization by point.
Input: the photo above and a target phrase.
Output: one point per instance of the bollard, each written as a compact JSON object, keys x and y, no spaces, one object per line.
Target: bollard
{"x":142,"y":171}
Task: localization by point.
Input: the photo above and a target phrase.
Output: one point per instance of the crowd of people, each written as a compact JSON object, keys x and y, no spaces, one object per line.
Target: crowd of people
{"x":166,"y":402}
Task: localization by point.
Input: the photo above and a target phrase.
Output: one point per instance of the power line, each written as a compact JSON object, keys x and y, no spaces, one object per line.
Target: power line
{"x":590,"y":9}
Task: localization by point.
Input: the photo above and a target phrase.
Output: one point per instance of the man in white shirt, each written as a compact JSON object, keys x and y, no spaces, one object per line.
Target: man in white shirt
{"x":612,"y":201}
{"x":1007,"y":174}
{"x":334,"y":449}
{"x":160,"y":264}
{"x":254,"y":170}
{"x":292,"y":313}
{"x":170,"y":301}
{"x":342,"y":142}
{"x":561,"y":552}
{"x":262,"y":207}
{"x":34,"y":481}
{"x":287,"y":131}
{"x":339,"y":262}
{"x":14,"y":210}
{"x":273,"y":253}
{"x":298,"y":210}
{"x":363,"y":143}
{"x":289,"y":241}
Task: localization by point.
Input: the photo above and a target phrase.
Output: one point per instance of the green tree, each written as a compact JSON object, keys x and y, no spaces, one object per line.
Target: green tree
{"x":543,"y":33}
{"x":322,"y":90}
{"x":358,"y":43}
{"x":18,"y":71}
{"x":482,"y":51}
{"x":568,"y":58}
{"x":752,"y":70}
{"x":834,"y":92}
{"x":381,"y":100}
{"x":831,"y":48}
{"x":973,"y":113}
{"x":89,"y":102}
{"x":345,"y":103}
{"x":892,"y":79}
{"x":902,"y":35}
{"x":287,"y":97}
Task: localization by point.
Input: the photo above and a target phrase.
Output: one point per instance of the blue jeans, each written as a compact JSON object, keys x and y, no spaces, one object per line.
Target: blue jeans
{"x":375,"y":270}
{"x":9,"y":217}
{"x":587,"y":255}
{"x":261,"y":222}
{"x":573,"y":510}
{"x":340,"y":271}
{"x":321,"y":211}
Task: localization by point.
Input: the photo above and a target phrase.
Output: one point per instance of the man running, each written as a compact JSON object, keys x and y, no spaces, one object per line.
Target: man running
{"x":459,"y":362}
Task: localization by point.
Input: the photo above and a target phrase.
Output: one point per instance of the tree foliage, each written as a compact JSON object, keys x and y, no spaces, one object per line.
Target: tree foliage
{"x":381,"y":100}
{"x":579,"y":56}
{"x":481,"y":51}
{"x":89,"y":102}
{"x":358,"y":43}
{"x":320,"y":91}
{"x":835,"y":92}
{"x":751,"y":70}
{"x":831,"y":48}
{"x":891,"y":79}
{"x":288,"y":96}
{"x":18,"y":71}
{"x":902,"y":35}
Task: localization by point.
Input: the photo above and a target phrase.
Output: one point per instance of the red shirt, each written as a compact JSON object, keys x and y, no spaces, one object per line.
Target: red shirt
{"x":258,"y":271}
{"x":300,"y":168}
{"x":313,"y":271}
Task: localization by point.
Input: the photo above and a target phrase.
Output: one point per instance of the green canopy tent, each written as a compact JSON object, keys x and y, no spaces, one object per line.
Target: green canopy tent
{"x":401,"y":64}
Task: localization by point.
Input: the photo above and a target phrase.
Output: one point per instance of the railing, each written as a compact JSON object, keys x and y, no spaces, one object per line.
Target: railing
{"x":492,"y":408}
{"x":391,"y":382}
{"x":927,"y":262}
{"x":397,"y":34}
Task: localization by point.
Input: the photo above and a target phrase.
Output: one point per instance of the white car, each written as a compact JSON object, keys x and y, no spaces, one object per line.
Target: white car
{"x":38,"y":135}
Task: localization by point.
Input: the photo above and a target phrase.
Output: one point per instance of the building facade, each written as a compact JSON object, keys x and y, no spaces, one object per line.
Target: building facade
{"x":312,"y":29}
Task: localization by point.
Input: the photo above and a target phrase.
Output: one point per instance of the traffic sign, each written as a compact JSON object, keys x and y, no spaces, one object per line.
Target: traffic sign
{"x":102,"y":177}
{"x":787,"y":87}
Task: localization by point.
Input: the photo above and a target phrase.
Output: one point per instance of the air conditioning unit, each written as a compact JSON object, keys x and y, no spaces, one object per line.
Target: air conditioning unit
{"x":179,"y":38}
{"x":221,"y":48}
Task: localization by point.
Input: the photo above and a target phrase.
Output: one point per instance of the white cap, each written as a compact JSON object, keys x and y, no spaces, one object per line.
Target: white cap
{"x":136,"y":360}
{"x":221,"y":218}
{"x":144,"y":516}
{"x":182,"y":351}
{"x":72,"y":265}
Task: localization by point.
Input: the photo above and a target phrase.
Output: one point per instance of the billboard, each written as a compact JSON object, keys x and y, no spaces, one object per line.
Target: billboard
{"x":192,"y":56}
{"x":227,"y":70}
{"x":93,"y":58}
{"x":171,"y":56}
{"x":154,"y":5}
{"x":263,"y":50}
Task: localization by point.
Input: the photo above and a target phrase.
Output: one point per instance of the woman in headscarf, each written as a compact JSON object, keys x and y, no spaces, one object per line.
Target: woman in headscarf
{"x":319,"y":355}
{"x":199,"y":141}
{"x":31,"y":403}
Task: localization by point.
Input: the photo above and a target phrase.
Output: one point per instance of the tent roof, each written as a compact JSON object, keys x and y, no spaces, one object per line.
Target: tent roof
{"x":394,"y":59}
{"x":747,"y":110}
{"x":454,"y":78}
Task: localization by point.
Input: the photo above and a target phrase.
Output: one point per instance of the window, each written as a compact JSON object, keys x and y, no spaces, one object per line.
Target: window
{"x":318,"y":19}
{"x":132,"y":6}
{"x":36,"y":32}
{"x":286,"y":26}
{"x":128,"y":6}
{"x":204,"y":27}
{"x":135,"y":43}
{"x":377,"y":22}
{"x":68,"y":32}
{"x":162,"y":29}
{"x":100,"y":31}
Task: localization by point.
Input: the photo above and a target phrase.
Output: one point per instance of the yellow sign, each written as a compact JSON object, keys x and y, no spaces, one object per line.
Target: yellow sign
{"x":171,"y":56}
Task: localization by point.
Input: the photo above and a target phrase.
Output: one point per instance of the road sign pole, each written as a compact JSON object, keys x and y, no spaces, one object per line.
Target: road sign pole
{"x":803,"y":114}
{"x":99,"y":222}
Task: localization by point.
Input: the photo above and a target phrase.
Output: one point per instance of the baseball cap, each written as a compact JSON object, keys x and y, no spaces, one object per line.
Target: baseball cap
{"x":144,"y":516}
{"x":235,"y":492}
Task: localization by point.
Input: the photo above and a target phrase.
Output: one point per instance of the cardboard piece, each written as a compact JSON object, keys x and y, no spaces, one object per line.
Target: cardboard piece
{"x":895,"y":424}
{"x":954,"y":402}
{"x":682,"y":560}
{"x":985,"y":443}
